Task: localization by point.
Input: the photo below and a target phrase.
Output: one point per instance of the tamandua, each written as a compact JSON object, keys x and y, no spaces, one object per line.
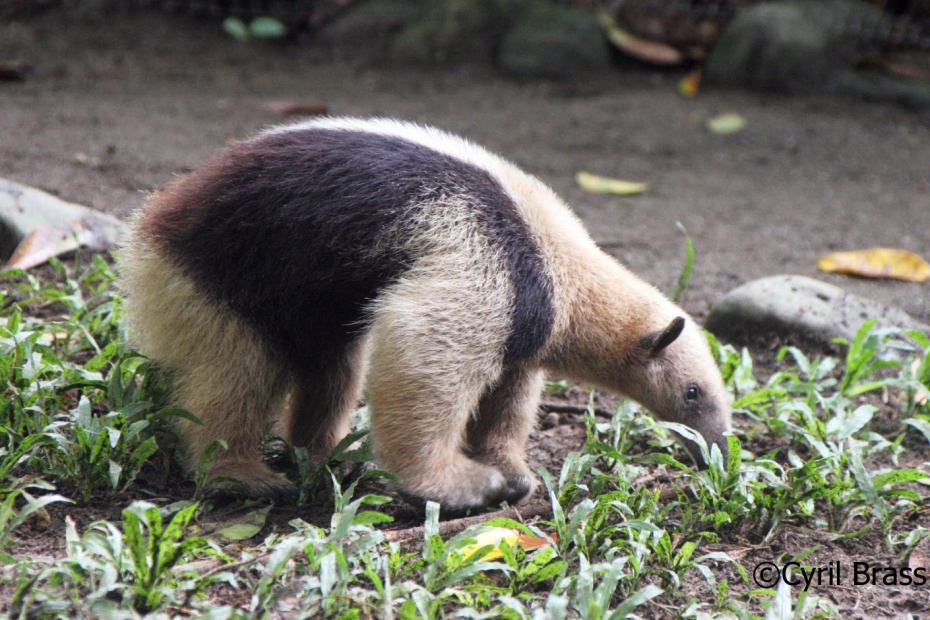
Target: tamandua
{"x":295,"y":262}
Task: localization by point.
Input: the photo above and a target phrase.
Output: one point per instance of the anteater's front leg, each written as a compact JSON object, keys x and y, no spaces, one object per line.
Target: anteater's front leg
{"x":428,"y":373}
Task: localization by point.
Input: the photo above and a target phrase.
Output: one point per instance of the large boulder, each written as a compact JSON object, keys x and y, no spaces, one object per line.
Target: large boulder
{"x":553,"y":41}
{"x":804,"y":46}
{"x":366,"y":29}
{"x":454,"y":31}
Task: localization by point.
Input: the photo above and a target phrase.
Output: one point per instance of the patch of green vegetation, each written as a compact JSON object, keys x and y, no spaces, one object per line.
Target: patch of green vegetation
{"x":829,"y":450}
{"x":77,"y":408}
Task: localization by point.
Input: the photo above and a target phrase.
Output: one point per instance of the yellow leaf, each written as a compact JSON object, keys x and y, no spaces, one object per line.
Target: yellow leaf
{"x":597,"y":184}
{"x":497,"y":535}
{"x":688,"y":85}
{"x":491,"y":536}
{"x":650,"y":51}
{"x":877,"y":263}
{"x":726,"y":123}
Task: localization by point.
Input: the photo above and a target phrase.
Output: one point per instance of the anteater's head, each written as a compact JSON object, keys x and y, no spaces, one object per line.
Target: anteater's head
{"x":674,"y":375}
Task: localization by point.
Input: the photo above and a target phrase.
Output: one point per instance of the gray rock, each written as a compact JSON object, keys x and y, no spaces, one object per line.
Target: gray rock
{"x":809,"y":46}
{"x":365,"y":29}
{"x":454,"y":31}
{"x":24,"y":208}
{"x":553,"y":41}
{"x":801,"y":310}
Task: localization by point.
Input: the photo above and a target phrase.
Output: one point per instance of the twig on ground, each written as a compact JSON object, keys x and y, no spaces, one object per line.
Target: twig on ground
{"x":235,"y":565}
{"x":539,"y":508}
{"x":553,"y":408}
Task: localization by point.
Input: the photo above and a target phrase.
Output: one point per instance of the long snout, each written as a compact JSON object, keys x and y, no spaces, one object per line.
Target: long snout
{"x":697,"y":452}
{"x":712,"y":427}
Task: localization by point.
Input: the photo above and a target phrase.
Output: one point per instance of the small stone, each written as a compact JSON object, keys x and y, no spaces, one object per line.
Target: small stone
{"x":799,"y":309}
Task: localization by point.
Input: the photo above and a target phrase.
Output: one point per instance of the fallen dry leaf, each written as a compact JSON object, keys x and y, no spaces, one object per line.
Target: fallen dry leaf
{"x":297,"y":108}
{"x":497,"y":535}
{"x":877,"y":263}
{"x":650,"y":51}
{"x":907,"y":70}
{"x":596,"y":184}
{"x":51,"y":338}
{"x":44,"y":242}
{"x":688,"y":85}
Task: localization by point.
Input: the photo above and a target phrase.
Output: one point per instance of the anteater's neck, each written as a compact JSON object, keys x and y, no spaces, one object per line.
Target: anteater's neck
{"x":604,"y":314}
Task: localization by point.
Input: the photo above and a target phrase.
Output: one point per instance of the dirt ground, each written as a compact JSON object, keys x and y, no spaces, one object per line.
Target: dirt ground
{"x":117,"y":106}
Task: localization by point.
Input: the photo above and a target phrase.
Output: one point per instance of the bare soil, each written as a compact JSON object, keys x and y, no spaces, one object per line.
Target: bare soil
{"x":118,"y":105}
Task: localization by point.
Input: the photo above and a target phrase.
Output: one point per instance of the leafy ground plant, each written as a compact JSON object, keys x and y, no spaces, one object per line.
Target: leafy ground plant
{"x":828,"y":467}
{"x":77,"y":406}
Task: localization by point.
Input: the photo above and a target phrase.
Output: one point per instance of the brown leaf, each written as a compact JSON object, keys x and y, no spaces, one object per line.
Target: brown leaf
{"x":907,"y":70}
{"x":535,"y":542}
{"x":877,"y":263}
{"x":650,"y":51}
{"x":44,"y":242}
{"x":287,"y":107}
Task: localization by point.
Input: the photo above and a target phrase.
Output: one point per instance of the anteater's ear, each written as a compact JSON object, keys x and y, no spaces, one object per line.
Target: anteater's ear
{"x":656,"y":341}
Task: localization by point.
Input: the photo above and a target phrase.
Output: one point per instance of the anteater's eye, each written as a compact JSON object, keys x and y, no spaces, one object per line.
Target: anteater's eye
{"x":693,"y":393}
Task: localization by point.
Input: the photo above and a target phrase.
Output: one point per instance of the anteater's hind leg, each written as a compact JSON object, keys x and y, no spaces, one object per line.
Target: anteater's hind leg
{"x":506,"y":415}
{"x":235,"y":389}
{"x":323,"y":397}
{"x":221,"y":369}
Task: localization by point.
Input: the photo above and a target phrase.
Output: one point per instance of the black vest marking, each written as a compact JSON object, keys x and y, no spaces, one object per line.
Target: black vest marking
{"x":292,"y":230}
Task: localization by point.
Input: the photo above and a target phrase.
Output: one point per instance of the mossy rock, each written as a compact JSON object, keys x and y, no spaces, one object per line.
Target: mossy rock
{"x":454,"y":31}
{"x":553,"y":41}
{"x":365,"y":29}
